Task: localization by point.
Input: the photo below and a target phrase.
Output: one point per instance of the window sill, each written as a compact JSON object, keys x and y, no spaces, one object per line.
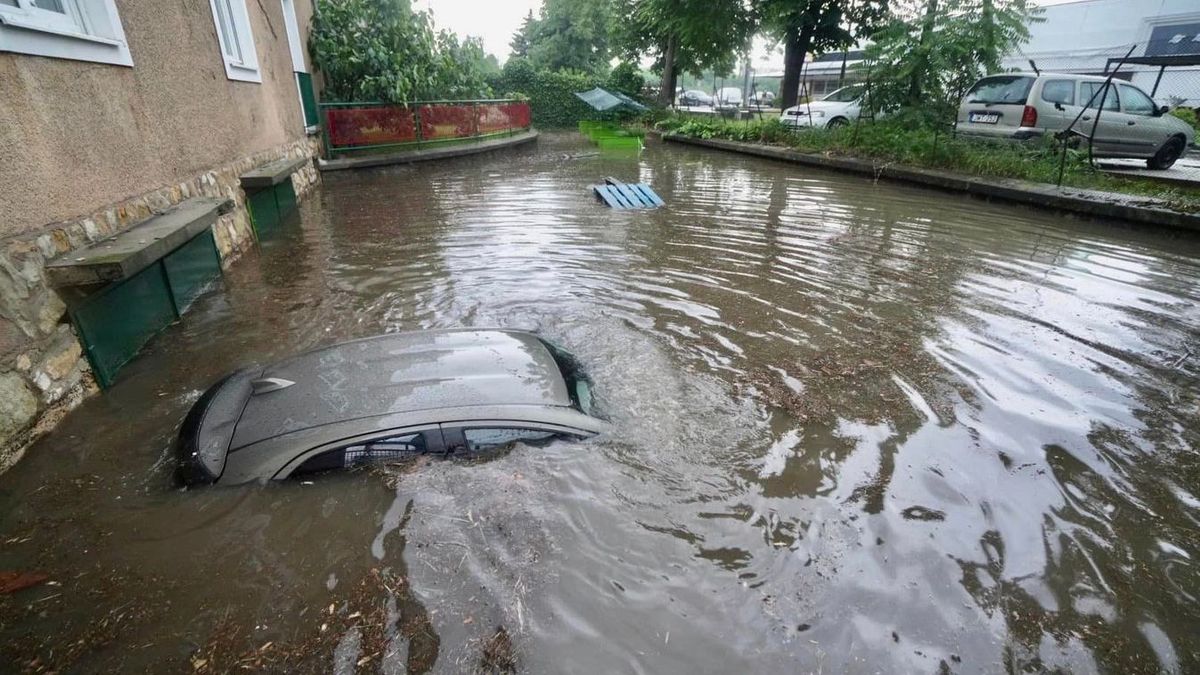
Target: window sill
{"x":240,"y":73}
{"x":22,"y":36}
{"x":19,"y":22}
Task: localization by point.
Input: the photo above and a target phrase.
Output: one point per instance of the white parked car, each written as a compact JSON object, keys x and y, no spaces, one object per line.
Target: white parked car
{"x":837,"y":109}
{"x":1028,"y":105}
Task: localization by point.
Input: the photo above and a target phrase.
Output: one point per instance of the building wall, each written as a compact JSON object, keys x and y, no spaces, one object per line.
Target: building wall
{"x":77,"y":134}
{"x":90,"y":149}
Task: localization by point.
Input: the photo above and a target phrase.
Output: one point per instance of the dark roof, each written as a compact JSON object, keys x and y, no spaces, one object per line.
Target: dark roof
{"x":403,"y":372}
{"x":853,"y":55}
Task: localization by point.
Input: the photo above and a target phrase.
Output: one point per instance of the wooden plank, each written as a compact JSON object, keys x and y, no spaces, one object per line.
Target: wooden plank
{"x":622,"y":199}
{"x":608,"y":196}
{"x":634,"y":198}
{"x":649,"y":193}
{"x":612,"y":181}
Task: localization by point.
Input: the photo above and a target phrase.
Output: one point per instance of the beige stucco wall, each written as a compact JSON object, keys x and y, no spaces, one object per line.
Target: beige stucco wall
{"x":76,"y":135}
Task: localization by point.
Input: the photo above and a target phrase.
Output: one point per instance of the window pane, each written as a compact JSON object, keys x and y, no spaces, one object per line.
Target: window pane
{"x":229,"y":36}
{"x":1089,"y":89}
{"x":50,"y":5}
{"x":1004,"y":89}
{"x":1059,"y":91}
{"x":1136,"y":103}
{"x":8,"y":3}
{"x":491,"y":439}
{"x":380,"y":450}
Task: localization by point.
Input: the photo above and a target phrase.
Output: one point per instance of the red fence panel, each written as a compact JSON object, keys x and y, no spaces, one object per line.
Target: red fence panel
{"x":495,"y":117}
{"x":375,"y":125}
{"x":447,"y":120}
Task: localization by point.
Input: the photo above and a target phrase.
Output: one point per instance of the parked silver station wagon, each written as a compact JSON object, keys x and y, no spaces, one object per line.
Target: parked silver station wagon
{"x":383,"y":399}
{"x":1026,"y":105}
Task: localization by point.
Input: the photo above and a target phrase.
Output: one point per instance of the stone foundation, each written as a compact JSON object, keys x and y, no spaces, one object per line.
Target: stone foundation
{"x":43,"y":372}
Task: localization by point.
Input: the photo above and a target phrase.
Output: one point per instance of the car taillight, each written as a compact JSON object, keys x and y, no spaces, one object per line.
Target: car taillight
{"x":1029,"y":117}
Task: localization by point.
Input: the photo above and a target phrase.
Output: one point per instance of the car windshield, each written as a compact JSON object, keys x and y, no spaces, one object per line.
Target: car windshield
{"x":1007,"y":89}
{"x":845,"y":95}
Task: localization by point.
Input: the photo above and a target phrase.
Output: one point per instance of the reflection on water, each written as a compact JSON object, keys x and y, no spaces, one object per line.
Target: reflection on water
{"x":862,"y":428}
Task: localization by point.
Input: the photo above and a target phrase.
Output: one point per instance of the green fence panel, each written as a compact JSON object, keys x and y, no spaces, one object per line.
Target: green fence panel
{"x":190,"y":268}
{"x":117,"y":321}
{"x":308,"y":97}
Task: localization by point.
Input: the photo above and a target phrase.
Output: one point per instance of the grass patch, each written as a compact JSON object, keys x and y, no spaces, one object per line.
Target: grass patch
{"x":911,"y":143}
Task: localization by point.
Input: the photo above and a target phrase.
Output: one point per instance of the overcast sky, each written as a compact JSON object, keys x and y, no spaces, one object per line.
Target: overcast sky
{"x":496,"y":20}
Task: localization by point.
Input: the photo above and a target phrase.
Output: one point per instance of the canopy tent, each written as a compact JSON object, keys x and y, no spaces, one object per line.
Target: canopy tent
{"x":605,"y":101}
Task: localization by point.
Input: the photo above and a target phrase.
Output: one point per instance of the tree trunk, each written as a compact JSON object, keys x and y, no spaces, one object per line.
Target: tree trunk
{"x":666,"y":91}
{"x":795,"y":49}
{"x":921,"y":63}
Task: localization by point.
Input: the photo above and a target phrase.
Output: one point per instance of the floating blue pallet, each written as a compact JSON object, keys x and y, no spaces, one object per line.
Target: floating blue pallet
{"x":620,"y":195}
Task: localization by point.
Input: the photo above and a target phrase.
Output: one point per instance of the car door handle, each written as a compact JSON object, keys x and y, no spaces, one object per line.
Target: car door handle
{"x":1087,"y":118}
{"x":1130,"y":123}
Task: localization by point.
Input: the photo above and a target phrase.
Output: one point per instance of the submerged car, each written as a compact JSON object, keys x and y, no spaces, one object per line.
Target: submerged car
{"x":1126,"y":121}
{"x":384,"y":399}
{"x":839,"y":108}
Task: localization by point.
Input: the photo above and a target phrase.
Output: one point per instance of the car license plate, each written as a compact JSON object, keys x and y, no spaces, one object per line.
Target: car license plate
{"x":984,"y":118}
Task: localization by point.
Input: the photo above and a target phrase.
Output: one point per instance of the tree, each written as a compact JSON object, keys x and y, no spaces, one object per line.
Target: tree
{"x":519,"y":45}
{"x":683,"y":35}
{"x":932,"y":50}
{"x":626,"y":79}
{"x":381,"y":50}
{"x":808,"y":26}
{"x":572,"y":34}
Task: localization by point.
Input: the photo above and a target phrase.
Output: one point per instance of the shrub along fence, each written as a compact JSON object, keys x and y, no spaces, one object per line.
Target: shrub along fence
{"x":374,"y":126}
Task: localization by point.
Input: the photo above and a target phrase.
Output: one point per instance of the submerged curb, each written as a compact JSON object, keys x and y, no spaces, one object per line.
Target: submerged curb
{"x":1094,"y":203}
{"x":413,"y":156}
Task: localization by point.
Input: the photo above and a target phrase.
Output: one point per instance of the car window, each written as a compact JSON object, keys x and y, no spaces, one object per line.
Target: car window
{"x":1136,"y":103}
{"x":845,"y":95}
{"x":1059,"y":91}
{"x":1006,"y":89}
{"x":483,"y":439}
{"x":1089,"y":89}
{"x":370,"y":452}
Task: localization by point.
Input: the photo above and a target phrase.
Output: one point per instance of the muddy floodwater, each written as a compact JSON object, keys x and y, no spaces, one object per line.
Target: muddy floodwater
{"x":858,"y":428}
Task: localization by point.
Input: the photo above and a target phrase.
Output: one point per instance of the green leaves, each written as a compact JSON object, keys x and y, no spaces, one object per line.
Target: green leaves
{"x":381,"y":50}
{"x":933,"y":50}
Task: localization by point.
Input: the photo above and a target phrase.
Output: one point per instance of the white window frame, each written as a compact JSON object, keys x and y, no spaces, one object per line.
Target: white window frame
{"x":89,"y":31}
{"x":244,"y":66}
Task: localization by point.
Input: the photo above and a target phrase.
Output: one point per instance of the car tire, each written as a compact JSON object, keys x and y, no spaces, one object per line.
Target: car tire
{"x":1167,"y":154}
{"x":837,"y":122}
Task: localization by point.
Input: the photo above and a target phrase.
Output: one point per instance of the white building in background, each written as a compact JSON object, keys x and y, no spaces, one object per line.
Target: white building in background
{"x":1081,"y":37}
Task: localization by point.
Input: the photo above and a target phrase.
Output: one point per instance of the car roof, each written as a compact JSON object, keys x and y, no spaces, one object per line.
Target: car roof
{"x":403,"y":372}
{"x":1057,"y":76}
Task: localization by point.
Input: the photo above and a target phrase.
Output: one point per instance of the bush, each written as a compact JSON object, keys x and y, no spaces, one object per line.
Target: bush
{"x":626,"y":79}
{"x":381,"y":50}
{"x":1187,"y":115}
{"x":551,"y":94}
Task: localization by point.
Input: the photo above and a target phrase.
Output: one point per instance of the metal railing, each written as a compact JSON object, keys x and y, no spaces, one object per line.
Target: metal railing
{"x":351,"y":126}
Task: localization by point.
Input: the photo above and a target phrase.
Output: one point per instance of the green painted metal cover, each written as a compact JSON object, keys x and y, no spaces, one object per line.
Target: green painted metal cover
{"x":191,"y":267}
{"x":117,"y":321}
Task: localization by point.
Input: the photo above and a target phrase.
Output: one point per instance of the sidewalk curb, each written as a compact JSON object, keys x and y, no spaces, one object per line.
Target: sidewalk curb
{"x":1093,"y":203}
{"x":413,"y":156}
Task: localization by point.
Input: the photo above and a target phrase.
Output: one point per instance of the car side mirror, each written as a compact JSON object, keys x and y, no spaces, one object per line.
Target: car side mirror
{"x":1163,"y":110}
{"x":1059,"y":106}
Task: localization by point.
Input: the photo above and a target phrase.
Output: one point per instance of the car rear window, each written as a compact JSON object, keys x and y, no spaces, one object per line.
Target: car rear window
{"x":1005,"y":89}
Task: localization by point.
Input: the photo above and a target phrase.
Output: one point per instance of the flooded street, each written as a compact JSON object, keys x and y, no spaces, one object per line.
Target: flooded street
{"x":859,"y":428}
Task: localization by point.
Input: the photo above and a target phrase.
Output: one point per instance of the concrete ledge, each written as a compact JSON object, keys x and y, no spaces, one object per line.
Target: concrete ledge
{"x":125,"y":254}
{"x":1094,"y":203}
{"x":412,"y":156}
{"x":272,"y":174}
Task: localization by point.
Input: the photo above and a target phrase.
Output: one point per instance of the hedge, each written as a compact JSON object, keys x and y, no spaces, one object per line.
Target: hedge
{"x":551,"y":94}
